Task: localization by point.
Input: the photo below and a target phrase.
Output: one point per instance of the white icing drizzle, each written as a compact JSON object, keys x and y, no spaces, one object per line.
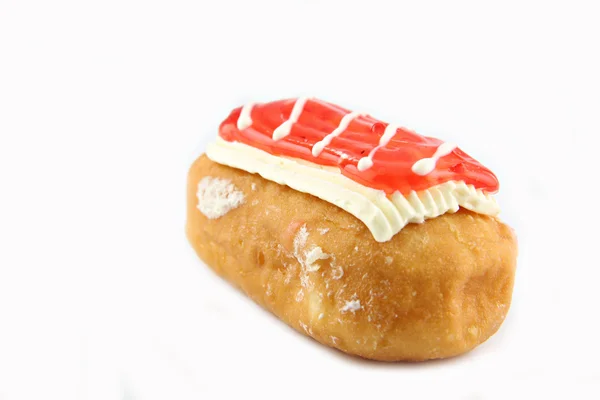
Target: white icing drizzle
{"x":284,"y":129}
{"x":245,"y":119}
{"x":367,"y":162}
{"x":426,"y":165}
{"x":319,"y":146}
{"x":383,"y":215}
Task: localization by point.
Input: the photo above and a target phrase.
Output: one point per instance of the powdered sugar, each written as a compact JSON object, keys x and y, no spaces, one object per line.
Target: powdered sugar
{"x":300,"y":241}
{"x":307,"y":258}
{"x":336,"y":271}
{"x":305,"y":327}
{"x":304,"y":279}
{"x":352,"y":306}
{"x":312,"y":256}
{"x":217,"y":196}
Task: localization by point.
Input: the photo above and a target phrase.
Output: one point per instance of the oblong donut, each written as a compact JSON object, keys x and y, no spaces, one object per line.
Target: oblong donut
{"x":435,"y":290}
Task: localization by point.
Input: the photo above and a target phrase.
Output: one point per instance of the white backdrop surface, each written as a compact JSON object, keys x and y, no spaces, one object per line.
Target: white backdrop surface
{"x":104,"y":105}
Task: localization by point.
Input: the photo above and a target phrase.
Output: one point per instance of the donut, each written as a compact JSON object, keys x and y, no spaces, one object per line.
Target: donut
{"x":363,"y":235}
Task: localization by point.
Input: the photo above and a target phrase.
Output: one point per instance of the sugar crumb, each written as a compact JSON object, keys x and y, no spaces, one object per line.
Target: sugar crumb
{"x":304,"y":326}
{"x":312,"y":256}
{"x":217,"y":196}
{"x":300,"y":241}
{"x":337,"y":271}
{"x":352,"y":306}
{"x":304,"y":280}
{"x":307,"y":258}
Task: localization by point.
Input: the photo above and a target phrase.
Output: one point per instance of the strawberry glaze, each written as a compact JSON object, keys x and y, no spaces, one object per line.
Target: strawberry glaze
{"x":390,"y":167}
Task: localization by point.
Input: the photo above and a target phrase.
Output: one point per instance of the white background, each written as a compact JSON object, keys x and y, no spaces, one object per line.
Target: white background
{"x":105,"y":104}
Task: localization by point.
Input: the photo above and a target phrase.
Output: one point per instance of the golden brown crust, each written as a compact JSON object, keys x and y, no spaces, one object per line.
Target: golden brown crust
{"x":436,"y":290}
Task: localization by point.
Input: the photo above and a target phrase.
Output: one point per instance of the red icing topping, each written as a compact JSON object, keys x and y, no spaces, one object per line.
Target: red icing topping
{"x":392,"y":164}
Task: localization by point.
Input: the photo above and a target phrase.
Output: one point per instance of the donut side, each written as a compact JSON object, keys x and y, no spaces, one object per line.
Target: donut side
{"x":436,"y":290}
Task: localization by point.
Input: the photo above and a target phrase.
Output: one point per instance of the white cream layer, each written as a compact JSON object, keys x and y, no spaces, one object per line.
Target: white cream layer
{"x":384,"y":215}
